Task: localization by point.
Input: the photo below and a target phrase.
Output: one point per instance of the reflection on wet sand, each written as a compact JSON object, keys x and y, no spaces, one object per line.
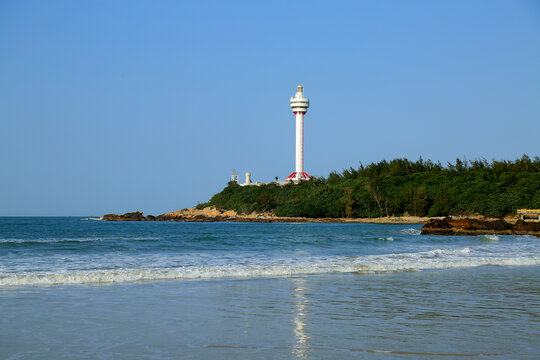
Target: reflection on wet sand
{"x":300,"y":349}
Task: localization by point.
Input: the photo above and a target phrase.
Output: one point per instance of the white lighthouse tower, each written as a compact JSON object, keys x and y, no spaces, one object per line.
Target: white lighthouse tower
{"x":299,"y":105}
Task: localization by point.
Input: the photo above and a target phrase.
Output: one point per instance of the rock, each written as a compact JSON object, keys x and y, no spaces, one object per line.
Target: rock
{"x":438,"y":224}
{"x":133,"y":216}
{"x":448,"y":226}
{"x":111,"y":217}
{"x":476,"y":224}
{"x":501,"y":225}
{"x":527,"y":226}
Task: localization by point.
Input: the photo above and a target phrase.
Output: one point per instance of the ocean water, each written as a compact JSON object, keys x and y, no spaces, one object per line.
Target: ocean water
{"x":79,"y":288}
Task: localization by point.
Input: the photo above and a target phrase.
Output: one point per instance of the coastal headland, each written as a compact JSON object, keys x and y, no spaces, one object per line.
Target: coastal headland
{"x":470,"y":226}
{"x":211,"y":214}
{"x":481,"y":197}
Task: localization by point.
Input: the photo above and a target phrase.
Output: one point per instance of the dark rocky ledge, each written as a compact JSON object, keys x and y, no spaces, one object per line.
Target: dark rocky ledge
{"x":138,"y":216}
{"x":449,"y":226}
{"x":211,"y":214}
{"x":133,"y":216}
{"x":434,"y":226}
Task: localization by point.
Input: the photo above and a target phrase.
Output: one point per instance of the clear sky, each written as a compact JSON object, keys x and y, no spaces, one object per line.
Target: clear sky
{"x":116,"y":106}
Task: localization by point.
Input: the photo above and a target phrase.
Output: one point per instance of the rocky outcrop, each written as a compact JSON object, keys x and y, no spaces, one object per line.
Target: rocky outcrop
{"x":527,"y":226}
{"x":449,"y":226}
{"x":208,"y":214}
{"x":211,"y":214}
{"x":193,"y":215}
{"x":132,"y":216}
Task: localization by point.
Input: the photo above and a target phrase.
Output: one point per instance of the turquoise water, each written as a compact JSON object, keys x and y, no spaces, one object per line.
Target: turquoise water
{"x":77,"y":288}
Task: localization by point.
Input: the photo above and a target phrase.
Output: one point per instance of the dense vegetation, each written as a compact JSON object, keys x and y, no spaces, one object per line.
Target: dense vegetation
{"x":398,"y":187}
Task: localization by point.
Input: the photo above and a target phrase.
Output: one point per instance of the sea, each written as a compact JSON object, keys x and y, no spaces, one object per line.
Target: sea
{"x":81,"y":288}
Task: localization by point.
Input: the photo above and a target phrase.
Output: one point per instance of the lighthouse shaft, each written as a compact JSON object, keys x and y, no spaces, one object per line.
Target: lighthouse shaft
{"x":299,"y":143}
{"x":299,"y":105}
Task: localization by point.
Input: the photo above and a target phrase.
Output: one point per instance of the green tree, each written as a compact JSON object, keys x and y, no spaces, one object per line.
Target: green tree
{"x":398,"y":186}
{"x":420,"y":201}
{"x":348,"y":201}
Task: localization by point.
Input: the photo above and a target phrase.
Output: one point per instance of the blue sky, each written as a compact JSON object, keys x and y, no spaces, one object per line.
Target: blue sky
{"x":115,"y":106}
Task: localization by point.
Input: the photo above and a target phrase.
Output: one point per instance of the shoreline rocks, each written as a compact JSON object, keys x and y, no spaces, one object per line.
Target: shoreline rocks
{"x":211,"y":214}
{"x":133,"y":216}
{"x":138,"y":216}
{"x":433,"y":226}
{"x":471,"y":227}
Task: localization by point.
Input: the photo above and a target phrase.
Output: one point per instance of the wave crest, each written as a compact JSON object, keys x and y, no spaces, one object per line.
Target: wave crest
{"x":434,"y":259}
{"x":74,"y":240}
{"x":411,"y":231}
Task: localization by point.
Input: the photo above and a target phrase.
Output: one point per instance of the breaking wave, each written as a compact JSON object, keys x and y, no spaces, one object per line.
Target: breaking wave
{"x":73,"y":240}
{"x":489,"y":238}
{"x":427,"y":260}
{"x":411,"y":231}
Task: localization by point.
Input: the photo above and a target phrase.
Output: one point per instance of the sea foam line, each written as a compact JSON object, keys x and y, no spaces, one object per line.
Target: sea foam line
{"x":434,"y":259}
{"x":84,"y":239}
{"x":411,"y":231}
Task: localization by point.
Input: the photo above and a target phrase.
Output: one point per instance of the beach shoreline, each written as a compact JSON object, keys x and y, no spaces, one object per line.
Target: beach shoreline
{"x":211,"y":214}
{"x":456,"y":225}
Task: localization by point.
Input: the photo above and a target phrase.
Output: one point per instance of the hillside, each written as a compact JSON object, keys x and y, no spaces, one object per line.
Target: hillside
{"x":396,"y":188}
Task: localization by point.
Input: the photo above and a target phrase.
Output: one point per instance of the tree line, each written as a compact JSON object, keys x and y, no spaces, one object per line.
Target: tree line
{"x":395,"y":188}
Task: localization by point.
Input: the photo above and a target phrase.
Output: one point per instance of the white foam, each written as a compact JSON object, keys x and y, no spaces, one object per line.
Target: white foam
{"x":411,"y":231}
{"x":442,"y":252}
{"x":92,"y":218}
{"x":433,"y":259}
{"x":84,"y":239}
{"x":49,"y":240}
{"x":490,"y":238}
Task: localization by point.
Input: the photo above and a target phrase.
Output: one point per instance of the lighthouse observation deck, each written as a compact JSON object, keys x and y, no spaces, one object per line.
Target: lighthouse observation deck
{"x":299,"y":103}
